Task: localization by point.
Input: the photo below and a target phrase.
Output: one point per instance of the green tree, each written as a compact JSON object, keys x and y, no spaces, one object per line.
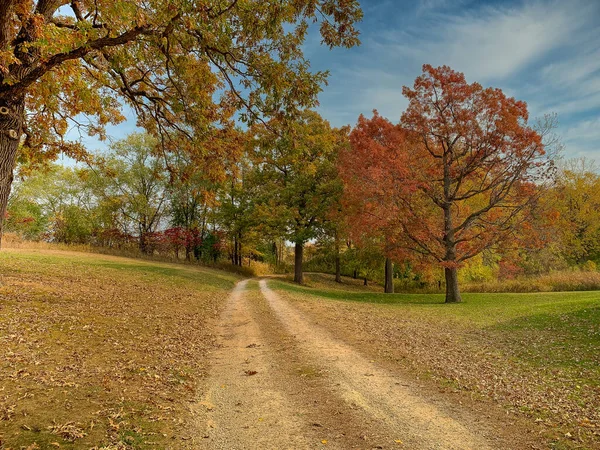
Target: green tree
{"x":53,"y":203}
{"x":134,"y":181}
{"x":236,"y":210}
{"x":296,"y":177}
{"x":577,"y":202}
{"x":191,"y":200}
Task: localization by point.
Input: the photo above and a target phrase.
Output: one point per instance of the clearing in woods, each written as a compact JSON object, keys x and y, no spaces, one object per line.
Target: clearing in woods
{"x":107,"y":352}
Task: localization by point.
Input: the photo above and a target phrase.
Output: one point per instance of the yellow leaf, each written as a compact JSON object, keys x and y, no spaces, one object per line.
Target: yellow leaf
{"x":324,"y":441}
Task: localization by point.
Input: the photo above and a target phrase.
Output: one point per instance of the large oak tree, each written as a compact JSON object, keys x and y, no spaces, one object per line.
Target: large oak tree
{"x":296,"y":179}
{"x":184,"y":67}
{"x":456,"y":175}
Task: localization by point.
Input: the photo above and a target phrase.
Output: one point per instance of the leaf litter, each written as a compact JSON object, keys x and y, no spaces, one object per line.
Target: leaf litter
{"x":99,"y":357}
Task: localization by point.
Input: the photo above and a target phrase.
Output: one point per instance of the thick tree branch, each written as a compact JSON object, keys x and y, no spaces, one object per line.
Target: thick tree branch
{"x":33,"y":75}
{"x":6,"y":12}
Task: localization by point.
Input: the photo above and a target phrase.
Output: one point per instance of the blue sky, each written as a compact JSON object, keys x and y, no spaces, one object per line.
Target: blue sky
{"x":545,"y":52}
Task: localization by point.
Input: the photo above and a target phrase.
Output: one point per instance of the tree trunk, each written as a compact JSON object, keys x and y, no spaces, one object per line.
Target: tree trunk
{"x":234,"y":252}
{"x":188,"y":253}
{"x":338,"y":268}
{"x":239,"y":252}
{"x":11,"y":129}
{"x":365,"y":282}
{"x":143,"y":244}
{"x":276,"y":253}
{"x":389,"y":276}
{"x":355,"y":275}
{"x":452,"y":292}
{"x":298,"y":255}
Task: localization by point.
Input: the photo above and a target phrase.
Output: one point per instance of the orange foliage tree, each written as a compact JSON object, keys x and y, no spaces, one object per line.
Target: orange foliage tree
{"x":458,"y":173}
{"x":184,"y":67}
{"x":376,"y":177}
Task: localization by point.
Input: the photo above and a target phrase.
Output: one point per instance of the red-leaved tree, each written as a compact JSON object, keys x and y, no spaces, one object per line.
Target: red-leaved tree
{"x":375,"y":173}
{"x":463,"y":175}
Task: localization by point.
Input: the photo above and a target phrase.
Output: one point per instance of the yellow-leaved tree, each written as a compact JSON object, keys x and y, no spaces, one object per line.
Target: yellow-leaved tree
{"x":186,"y":69}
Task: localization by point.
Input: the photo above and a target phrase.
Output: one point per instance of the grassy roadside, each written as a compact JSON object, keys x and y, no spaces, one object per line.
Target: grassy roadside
{"x":538,"y":353}
{"x":99,"y":351}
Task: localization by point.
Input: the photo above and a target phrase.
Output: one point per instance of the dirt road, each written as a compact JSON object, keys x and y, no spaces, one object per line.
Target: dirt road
{"x":280,"y":381}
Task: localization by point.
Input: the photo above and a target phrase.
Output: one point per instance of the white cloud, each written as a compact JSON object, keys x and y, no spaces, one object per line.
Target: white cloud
{"x":427,"y":6}
{"x":574,"y":83}
{"x":573,"y":69}
{"x":583,"y":139}
{"x":486,"y":44}
{"x":489,"y":43}
{"x":545,"y":52}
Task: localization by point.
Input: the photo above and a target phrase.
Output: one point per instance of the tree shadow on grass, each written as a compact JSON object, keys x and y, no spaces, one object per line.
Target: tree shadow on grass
{"x":364,"y":297}
{"x":185,"y":274}
{"x":569,"y":339}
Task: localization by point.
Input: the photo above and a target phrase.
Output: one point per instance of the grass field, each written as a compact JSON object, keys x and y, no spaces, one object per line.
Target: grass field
{"x":106,"y":353}
{"x":99,"y":351}
{"x":538,"y":352}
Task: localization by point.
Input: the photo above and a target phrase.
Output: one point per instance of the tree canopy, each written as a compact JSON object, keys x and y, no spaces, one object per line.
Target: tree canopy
{"x":454,"y":177}
{"x":296,"y":176}
{"x":185,"y":68}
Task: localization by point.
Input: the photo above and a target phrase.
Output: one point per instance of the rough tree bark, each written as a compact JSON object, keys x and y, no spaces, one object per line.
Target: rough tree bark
{"x":276,"y":253}
{"x":143,"y":242}
{"x":452,"y":291}
{"x":234,"y":252}
{"x":298,"y":256}
{"x":450,"y":270}
{"x":389,"y":276}
{"x":338,"y":258}
{"x":11,"y":130}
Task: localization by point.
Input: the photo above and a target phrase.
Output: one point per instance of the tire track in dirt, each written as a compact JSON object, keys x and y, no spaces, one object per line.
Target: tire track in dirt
{"x":243,"y":408}
{"x":418,"y":423}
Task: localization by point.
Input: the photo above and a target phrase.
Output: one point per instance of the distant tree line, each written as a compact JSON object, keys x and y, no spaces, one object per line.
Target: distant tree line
{"x":462,"y":188}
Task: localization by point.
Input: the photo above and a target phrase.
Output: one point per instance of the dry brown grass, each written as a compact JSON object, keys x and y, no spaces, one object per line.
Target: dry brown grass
{"x":99,"y":351}
{"x":14,"y":241}
{"x":254,"y":269}
{"x":564,"y":281}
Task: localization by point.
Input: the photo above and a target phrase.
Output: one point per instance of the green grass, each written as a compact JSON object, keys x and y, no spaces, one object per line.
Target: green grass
{"x":556,"y":329}
{"x":172,"y":273}
{"x":479,"y":309}
{"x":535,"y":352}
